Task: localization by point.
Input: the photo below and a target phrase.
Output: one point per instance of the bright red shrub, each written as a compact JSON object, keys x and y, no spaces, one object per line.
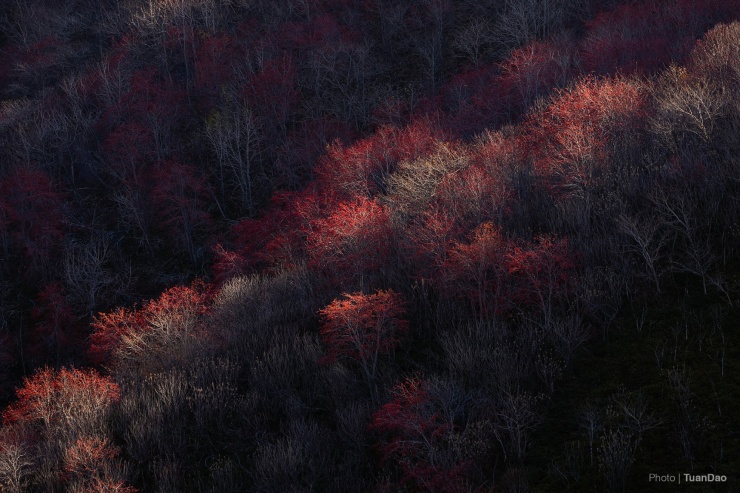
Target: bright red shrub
{"x":107,"y":330}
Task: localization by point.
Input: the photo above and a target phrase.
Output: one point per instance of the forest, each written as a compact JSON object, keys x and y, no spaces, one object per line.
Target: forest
{"x":400,"y":246}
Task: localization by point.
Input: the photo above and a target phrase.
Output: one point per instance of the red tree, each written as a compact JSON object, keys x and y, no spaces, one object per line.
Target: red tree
{"x":542,"y":273}
{"x":63,"y":401}
{"x":477,"y":270}
{"x":354,"y":241}
{"x":569,"y":139}
{"x":362,"y":328}
{"x":416,"y":438}
{"x":163,"y":330}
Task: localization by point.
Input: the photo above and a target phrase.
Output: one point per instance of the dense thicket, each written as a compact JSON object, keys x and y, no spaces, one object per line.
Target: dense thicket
{"x":368,"y":246}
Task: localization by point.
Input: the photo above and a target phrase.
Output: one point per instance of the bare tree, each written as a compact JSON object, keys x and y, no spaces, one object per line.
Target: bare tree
{"x":474,"y":40}
{"x":646,"y":238}
{"x":16,"y":464}
{"x":517,"y":417}
{"x":616,"y":455}
{"x":234,"y":136}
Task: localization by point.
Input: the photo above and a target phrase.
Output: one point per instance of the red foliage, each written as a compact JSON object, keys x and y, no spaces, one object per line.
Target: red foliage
{"x":50,"y":398}
{"x":176,"y":307}
{"x":361,"y":327}
{"x":360,"y":169}
{"x":108,"y":328}
{"x":88,"y":456}
{"x":272,"y":95}
{"x":471,"y":196}
{"x":276,"y":239}
{"x":428,"y":242}
{"x":477,"y":270}
{"x":473,"y":99}
{"x":303,"y":146}
{"x":129,"y":149}
{"x":493,"y":94}
{"x":568,"y":139}
{"x":646,"y":36}
{"x":213,"y":67}
{"x":415,"y":437}
{"x":535,"y":69}
{"x":542,"y":273}
{"x":354,"y":240}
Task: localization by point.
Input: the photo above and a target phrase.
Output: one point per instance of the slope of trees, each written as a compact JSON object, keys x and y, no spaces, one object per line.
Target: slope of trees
{"x":368,"y":246}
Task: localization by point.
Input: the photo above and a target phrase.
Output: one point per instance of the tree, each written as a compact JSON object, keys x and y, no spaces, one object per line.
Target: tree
{"x":533,"y":70}
{"x":516,"y":417}
{"x":60,"y":422}
{"x":417,"y":438}
{"x":64,"y":404}
{"x":527,"y":20}
{"x":272,"y":94}
{"x":180,"y":195}
{"x":353,"y":243}
{"x":54,"y":332}
{"x":474,"y":41}
{"x":477,"y":270}
{"x":471,"y":196}
{"x":569,"y":140}
{"x":235,"y":136}
{"x":362,"y":328}
{"x":161,"y":333}
{"x":542,"y":273}
{"x":91,"y":464}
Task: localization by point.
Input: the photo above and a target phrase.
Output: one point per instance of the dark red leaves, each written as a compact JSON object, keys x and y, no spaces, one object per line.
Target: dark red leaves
{"x":31,"y":217}
{"x":415,"y":438}
{"x":180,"y":196}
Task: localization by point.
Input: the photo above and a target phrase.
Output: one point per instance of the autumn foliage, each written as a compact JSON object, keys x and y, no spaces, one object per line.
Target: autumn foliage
{"x":362,"y":327}
{"x":336,"y":245}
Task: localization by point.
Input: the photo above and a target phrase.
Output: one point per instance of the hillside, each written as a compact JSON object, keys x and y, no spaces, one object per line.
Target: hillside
{"x":378,"y":245}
